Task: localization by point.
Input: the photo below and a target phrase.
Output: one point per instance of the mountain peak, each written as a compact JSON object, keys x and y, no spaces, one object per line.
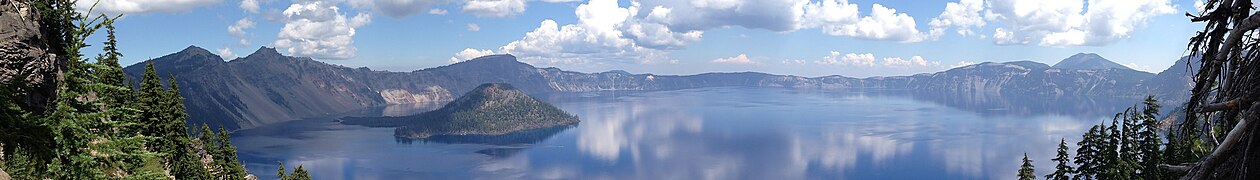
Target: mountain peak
{"x":193,"y":49}
{"x":1082,"y":61}
{"x":266,"y":51}
{"x":494,"y":57}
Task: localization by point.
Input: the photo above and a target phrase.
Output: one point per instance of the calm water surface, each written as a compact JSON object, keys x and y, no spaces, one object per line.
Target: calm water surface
{"x":711,"y":133}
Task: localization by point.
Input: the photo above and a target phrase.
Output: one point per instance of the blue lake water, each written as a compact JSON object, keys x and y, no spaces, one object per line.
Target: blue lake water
{"x":709,"y":133}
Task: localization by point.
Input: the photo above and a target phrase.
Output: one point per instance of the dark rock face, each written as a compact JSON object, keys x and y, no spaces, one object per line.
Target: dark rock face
{"x":26,"y":56}
{"x":262,"y":88}
{"x":1174,"y":84}
{"x":266,"y":87}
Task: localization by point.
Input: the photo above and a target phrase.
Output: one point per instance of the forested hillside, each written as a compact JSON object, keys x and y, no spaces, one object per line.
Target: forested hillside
{"x":65,"y":116}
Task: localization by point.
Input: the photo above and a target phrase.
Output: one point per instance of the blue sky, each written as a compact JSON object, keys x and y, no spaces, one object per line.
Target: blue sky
{"x":857,"y":38}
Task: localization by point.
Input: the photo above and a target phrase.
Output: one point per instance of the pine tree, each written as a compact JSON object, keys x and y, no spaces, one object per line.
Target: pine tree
{"x":1126,"y":164}
{"x":1062,"y":171}
{"x":186,"y":162}
{"x":300,"y":174}
{"x":226,"y":156}
{"x":109,"y":72}
{"x":1087,"y":154}
{"x":280,"y":174}
{"x":1149,"y":142}
{"x":148,"y":101}
{"x":1026,"y":171}
{"x":210,"y":145}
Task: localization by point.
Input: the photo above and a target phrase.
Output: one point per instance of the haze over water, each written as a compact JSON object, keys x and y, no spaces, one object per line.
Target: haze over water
{"x":709,"y":133}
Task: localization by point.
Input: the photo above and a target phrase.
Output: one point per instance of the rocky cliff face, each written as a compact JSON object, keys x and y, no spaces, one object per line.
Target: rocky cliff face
{"x":266,"y":87}
{"x":1032,"y":78}
{"x":26,"y":55}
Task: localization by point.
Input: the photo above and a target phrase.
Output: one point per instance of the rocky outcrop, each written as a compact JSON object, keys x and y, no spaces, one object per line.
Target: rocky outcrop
{"x":3,"y":175}
{"x":26,"y":57}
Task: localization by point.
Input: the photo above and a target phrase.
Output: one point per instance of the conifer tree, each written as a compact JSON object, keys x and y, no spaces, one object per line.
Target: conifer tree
{"x":210,"y":145}
{"x":300,"y":174}
{"x":149,"y":98}
{"x":280,"y":174}
{"x":1087,"y":154}
{"x":1026,"y":171}
{"x":1062,"y":171}
{"x":93,"y":130}
{"x":1149,"y":142}
{"x":186,"y":163}
{"x":226,"y":156}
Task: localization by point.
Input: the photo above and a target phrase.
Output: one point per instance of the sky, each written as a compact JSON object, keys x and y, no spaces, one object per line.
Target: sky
{"x":859,"y":38}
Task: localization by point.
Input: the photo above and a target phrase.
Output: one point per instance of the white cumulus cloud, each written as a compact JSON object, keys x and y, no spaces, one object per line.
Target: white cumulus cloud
{"x":1072,"y":23}
{"x":474,"y":27}
{"x":494,"y":8}
{"x":961,"y":64}
{"x":965,"y":15}
{"x":250,"y":6}
{"x":113,"y":7}
{"x":437,"y":11}
{"x":399,"y":8}
{"x":238,"y":30}
{"x":882,"y":24}
{"x":596,"y":36}
{"x":739,"y":59}
{"x":869,"y":60}
{"x":226,"y":53}
{"x":850,"y":59}
{"x":469,"y":54}
{"x":317,"y":29}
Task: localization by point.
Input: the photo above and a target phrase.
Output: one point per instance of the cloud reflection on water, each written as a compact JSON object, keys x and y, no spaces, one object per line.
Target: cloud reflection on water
{"x":712,"y":133}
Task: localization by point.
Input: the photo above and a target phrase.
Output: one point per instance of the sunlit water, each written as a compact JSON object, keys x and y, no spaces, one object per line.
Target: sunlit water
{"x":711,"y":133}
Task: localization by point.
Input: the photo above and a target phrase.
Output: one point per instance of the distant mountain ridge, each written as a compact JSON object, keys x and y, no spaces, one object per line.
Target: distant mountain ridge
{"x":1082,"y":61}
{"x":266,"y":87}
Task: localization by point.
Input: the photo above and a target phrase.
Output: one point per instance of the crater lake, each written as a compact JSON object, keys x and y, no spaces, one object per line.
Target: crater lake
{"x":707,"y":133}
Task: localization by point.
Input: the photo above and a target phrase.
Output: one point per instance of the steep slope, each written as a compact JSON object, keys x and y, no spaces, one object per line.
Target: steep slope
{"x":266,"y":87}
{"x":1025,"y":78}
{"x":489,"y":109}
{"x":1082,"y":61}
{"x":1173,"y":84}
{"x":262,"y":88}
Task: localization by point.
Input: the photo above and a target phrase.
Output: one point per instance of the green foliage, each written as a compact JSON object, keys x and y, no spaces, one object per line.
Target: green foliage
{"x":1128,"y":148}
{"x":298,"y":174}
{"x":94,"y":130}
{"x":226,"y":157}
{"x":225,"y":164}
{"x":281,"y":173}
{"x":1062,"y":171}
{"x":1026,"y":171}
{"x":1088,"y":154}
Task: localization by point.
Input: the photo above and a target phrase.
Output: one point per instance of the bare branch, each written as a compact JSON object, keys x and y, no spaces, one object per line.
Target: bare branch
{"x":1209,"y":163}
{"x":1177,"y":168}
{"x":1227,"y":105}
{"x":1235,"y":35}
